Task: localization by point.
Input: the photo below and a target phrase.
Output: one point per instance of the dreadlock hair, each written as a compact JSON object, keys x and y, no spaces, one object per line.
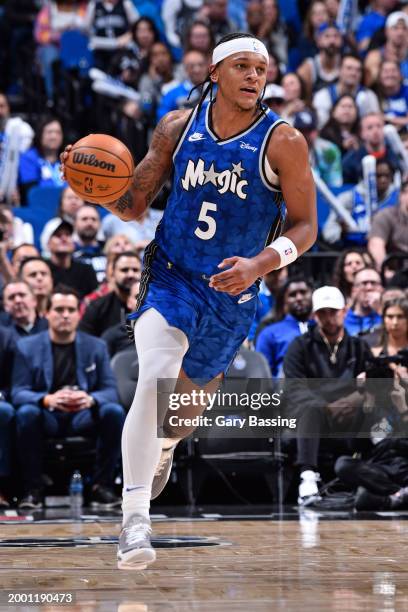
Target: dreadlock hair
{"x":207,"y":86}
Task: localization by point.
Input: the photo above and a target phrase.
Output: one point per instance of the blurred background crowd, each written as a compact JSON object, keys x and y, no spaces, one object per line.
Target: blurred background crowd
{"x":338,"y":72}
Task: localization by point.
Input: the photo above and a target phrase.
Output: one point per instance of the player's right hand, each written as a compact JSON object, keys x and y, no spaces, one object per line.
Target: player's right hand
{"x":63,"y":159}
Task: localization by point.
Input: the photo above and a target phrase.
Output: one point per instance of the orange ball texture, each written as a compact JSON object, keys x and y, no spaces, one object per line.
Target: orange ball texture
{"x":99,"y":168}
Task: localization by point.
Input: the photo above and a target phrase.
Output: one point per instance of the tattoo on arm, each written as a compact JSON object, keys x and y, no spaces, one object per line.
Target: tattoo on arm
{"x":124,"y":202}
{"x":154,"y":169}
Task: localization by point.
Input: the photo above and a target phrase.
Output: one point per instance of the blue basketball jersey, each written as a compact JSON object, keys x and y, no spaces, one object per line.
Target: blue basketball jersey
{"x":225,"y":199}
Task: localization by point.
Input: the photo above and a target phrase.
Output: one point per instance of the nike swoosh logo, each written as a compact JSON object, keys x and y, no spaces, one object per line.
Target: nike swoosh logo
{"x":195,"y":137}
{"x":129,"y":489}
{"x":245,"y":298}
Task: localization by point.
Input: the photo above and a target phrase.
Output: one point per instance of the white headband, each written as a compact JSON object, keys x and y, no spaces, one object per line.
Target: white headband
{"x":236,"y":45}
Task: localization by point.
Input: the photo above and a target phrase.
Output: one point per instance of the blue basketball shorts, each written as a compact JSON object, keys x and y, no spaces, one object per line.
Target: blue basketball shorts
{"x":215,"y":323}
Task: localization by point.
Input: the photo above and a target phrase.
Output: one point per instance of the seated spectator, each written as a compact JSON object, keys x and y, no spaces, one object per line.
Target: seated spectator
{"x":36,"y":272}
{"x":55,"y":18}
{"x":156,"y":80}
{"x":40,"y":165}
{"x":140,"y":232}
{"x":295,"y":96}
{"x":342,"y":127}
{"x":199,"y":37}
{"x":364,"y":312}
{"x":325,"y":157}
{"x":117,"y":337}
{"x":254,"y":17}
{"x":63,"y":385}
{"x":389,"y":229}
{"x":216,"y":14}
{"x":381,"y":479}
{"x":144,"y":35}
{"x":16,"y":136}
{"x":273,"y":31}
{"x":317,"y":14}
{"x":8,"y":267}
{"x":395,"y":327}
{"x":325,"y":351}
{"x":196,"y":69}
{"x":394,"y":49}
{"x":111,"y":309}
{"x":273,"y":72}
{"x":372,"y":143}
{"x":349,"y":82}
{"x":113,"y":246}
{"x":7,"y":412}
{"x":375,"y":337}
{"x":63,"y":267}
{"x":274,"y":97}
{"x":109,"y":23}
{"x":20,"y":254}
{"x":347,"y":264}
{"x":88,"y":249}
{"x":17,"y":231}
{"x":324,"y":68}
{"x":177,"y":16}
{"x":270,"y":307}
{"x":274,"y":339}
{"x":372,"y":22}
{"x":336,"y":231}
{"x":20,"y":305}
{"x":68,"y":206}
{"x":393,"y":95}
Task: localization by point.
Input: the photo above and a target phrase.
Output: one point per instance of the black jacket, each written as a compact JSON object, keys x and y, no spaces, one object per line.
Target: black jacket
{"x":79,"y":276}
{"x":102,"y":313}
{"x":307,"y":358}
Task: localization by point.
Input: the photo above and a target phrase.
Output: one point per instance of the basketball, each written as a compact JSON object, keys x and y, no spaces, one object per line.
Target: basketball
{"x":99,"y":168}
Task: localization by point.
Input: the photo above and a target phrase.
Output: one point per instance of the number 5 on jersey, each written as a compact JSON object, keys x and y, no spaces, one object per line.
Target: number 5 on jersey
{"x":208,"y":220}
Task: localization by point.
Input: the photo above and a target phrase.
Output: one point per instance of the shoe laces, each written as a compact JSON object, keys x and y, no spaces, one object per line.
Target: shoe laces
{"x":139,"y":530}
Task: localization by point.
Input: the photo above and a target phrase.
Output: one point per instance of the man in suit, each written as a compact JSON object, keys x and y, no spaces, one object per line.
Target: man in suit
{"x":63,"y":385}
{"x":7,"y":412}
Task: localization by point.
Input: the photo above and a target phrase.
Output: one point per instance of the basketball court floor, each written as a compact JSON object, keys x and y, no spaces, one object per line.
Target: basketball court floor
{"x":217,"y":559}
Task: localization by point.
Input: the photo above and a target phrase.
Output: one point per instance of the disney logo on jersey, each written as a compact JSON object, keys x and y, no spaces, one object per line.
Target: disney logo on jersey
{"x":245,"y":145}
{"x":227,"y":180}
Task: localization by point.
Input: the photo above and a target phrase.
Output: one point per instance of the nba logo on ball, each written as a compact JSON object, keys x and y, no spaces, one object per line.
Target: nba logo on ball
{"x":88,"y":184}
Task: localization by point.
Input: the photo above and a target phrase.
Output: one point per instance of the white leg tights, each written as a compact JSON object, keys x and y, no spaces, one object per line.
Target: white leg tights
{"x":160,"y":349}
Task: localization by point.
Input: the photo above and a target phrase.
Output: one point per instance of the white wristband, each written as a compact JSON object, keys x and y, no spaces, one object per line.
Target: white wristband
{"x":286,"y":249}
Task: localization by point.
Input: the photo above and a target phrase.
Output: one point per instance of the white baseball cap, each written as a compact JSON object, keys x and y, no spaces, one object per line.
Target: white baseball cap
{"x":328,"y":297}
{"x":395,"y":17}
{"x":274,"y":91}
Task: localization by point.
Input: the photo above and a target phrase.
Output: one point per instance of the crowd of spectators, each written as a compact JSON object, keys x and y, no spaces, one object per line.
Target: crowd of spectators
{"x":338,"y":72}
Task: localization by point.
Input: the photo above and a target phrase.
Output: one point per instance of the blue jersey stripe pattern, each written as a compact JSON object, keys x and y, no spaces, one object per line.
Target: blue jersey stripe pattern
{"x":221,"y":203}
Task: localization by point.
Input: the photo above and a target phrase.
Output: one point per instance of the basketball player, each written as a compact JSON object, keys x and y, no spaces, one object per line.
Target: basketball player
{"x":235,"y":164}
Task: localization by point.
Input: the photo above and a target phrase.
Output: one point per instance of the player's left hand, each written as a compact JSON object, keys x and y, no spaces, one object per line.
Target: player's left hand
{"x":241,"y":274}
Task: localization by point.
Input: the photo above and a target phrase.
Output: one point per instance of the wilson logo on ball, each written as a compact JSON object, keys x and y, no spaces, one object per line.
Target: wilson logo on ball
{"x":92,"y":160}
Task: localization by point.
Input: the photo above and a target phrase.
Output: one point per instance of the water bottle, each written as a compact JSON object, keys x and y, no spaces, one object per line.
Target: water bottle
{"x":76,"y":489}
